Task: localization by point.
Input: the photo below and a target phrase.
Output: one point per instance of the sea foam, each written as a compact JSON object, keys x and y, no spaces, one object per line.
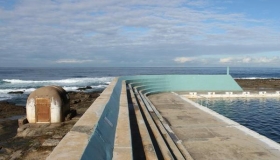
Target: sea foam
{"x":63,"y":81}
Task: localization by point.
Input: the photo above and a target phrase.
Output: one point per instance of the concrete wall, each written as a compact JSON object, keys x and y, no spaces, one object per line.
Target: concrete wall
{"x":101,"y":143}
{"x":78,"y":142}
{"x":92,"y":137}
{"x":163,"y":83}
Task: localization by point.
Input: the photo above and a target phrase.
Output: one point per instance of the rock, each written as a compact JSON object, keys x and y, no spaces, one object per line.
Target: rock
{"x":72,"y":113}
{"x":6,"y":150}
{"x":9,"y":110}
{"x":51,"y":142}
{"x":54,"y":125}
{"x":76,"y":101}
{"x":49,"y":133}
{"x":16,"y":155}
{"x":56,"y":136}
{"x":21,"y":128}
{"x":94,"y":95}
{"x":22,"y":121}
{"x":5,"y":153}
{"x":84,"y":88}
{"x":30,"y":132}
{"x":30,"y":137}
{"x":5,"y":103}
{"x":88,"y":87}
{"x":16,"y":92}
{"x":81,"y":89}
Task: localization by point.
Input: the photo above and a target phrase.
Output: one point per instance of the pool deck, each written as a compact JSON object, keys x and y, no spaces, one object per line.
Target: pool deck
{"x":208,"y":135}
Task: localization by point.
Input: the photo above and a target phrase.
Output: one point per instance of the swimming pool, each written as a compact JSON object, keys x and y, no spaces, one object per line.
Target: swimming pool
{"x":259,"y":114}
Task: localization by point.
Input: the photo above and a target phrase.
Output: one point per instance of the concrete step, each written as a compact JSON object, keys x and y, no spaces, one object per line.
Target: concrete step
{"x":164,"y":141}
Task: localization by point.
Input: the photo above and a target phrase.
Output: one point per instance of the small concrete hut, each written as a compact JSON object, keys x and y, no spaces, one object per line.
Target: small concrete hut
{"x":48,"y":104}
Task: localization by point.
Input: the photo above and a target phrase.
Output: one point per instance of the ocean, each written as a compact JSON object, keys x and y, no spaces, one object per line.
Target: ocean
{"x":29,"y":79}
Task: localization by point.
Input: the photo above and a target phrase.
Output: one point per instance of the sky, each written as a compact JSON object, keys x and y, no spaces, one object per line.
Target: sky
{"x":139,"y":33}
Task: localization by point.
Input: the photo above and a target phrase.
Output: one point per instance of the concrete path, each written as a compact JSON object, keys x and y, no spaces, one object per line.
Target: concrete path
{"x":207,"y":137}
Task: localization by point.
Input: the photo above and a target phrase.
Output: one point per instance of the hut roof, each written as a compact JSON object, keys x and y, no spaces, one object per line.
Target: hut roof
{"x":50,"y":91}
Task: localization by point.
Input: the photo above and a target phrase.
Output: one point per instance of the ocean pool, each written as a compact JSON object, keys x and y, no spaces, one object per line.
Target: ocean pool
{"x":259,"y":114}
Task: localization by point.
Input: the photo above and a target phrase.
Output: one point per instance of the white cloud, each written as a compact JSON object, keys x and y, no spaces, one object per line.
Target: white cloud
{"x":226,"y":60}
{"x":73,"y":61}
{"x":251,"y":60}
{"x":246,"y":60}
{"x":183,"y":59}
{"x":122,"y":31}
{"x":267,"y":60}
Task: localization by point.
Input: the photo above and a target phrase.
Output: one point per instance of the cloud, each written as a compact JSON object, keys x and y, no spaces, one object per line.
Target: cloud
{"x":72,"y":61}
{"x":183,"y":59}
{"x":267,"y":60}
{"x":226,"y":60}
{"x":121,"y":31}
{"x":246,"y":60}
{"x":250,"y":60}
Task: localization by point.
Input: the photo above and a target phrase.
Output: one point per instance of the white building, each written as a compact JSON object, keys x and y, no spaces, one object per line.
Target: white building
{"x":47,"y":105}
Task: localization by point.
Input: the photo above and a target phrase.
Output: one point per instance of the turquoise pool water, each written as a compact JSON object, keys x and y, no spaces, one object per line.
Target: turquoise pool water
{"x":259,"y":114}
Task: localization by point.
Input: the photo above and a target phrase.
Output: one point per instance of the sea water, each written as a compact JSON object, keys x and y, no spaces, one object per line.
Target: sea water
{"x":259,"y":114}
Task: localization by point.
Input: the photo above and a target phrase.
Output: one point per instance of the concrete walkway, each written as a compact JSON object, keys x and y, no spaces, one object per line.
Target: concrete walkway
{"x":208,"y":137}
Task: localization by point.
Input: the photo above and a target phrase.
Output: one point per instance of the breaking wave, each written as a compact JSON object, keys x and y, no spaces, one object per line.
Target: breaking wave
{"x":63,"y":81}
{"x":69,"y":84}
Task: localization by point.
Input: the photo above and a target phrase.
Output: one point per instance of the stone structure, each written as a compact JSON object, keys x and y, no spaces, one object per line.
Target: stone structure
{"x":48,"y":104}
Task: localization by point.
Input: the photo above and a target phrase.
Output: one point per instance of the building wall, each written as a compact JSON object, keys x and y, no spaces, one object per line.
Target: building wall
{"x":30,"y":111}
{"x":59,"y":103}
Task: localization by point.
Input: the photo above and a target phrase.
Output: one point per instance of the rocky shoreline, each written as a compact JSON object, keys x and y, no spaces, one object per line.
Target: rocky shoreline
{"x":37,"y":141}
{"x":270,"y":85}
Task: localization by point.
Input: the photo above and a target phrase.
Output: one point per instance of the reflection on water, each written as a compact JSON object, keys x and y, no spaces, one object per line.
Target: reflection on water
{"x":259,"y":114}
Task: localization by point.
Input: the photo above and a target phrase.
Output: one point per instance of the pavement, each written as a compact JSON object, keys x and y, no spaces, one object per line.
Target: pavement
{"x":210,"y":137}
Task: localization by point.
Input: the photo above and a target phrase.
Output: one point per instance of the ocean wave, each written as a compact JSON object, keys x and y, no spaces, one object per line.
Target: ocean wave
{"x":10,"y":90}
{"x":4,"y":93}
{"x":75,"y":88}
{"x":70,"y":88}
{"x":100,"y":86}
{"x":29,"y":90}
{"x":104,"y":80}
{"x":4,"y":98}
{"x":79,"y":76}
{"x":3,"y":82}
{"x":25,"y":90}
